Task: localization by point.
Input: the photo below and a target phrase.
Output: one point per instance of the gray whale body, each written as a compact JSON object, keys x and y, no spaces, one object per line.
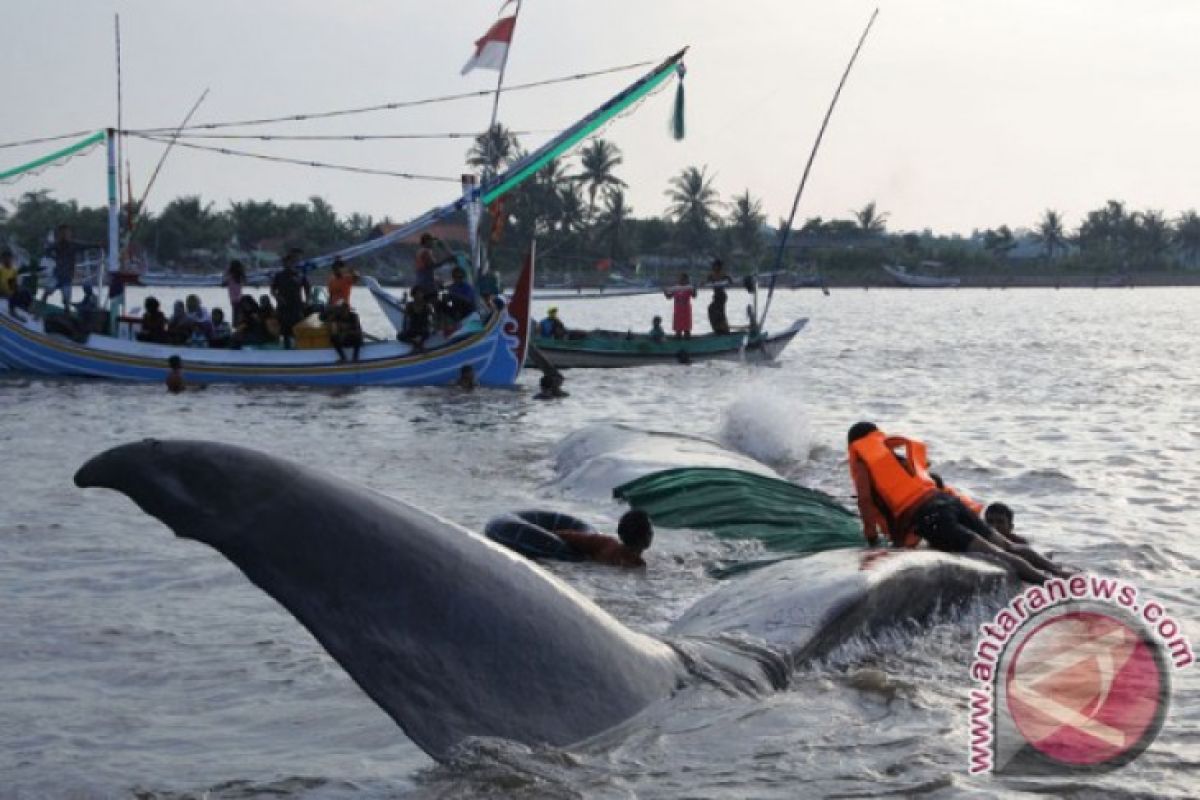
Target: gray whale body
{"x":456,"y":637}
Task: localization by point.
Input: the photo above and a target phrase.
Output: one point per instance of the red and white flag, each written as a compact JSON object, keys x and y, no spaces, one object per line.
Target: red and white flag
{"x":491,"y":49}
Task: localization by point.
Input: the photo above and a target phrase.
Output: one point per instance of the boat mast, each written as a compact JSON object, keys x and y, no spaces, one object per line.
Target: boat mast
{"x":114,"y":229}
{"x":783,"y":237}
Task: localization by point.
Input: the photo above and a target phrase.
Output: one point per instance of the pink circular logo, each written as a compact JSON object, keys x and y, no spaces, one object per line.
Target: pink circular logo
{"x":1087,"y":689}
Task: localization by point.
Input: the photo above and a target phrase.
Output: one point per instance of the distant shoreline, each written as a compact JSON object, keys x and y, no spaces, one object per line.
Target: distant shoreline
{"x":1069,"y":280}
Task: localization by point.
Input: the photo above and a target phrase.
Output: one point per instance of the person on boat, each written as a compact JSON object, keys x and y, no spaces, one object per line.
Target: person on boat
{"x":418,"y":319}
{"x":179,"y":326}
{"x":89,"y":303}
{"x":340,"y":282}
{"x":426,"y":262}
{"x":233,"y":281}
{"x":656,"y":330}
{"x":552,"y":327}
{"x":221,"y":333}
{"x":634,"y":535}
{"x":460,"y":300}
{"x":291,"y":291}
{"x":8,"y":274}
{"x":268,"y":321}
{"x":345,"y":330}
{"x":116,"y":298}
{"x":65,"y":252}
{"x":175,"y":382}
{"x":551,"y":387}
{"x":1001,"y":518}
{"x":154,"y":323}
{"x":716,"y":308}
{"x":898,"y":499}
{"x":198,"y":315}
{"x":682,"y":293}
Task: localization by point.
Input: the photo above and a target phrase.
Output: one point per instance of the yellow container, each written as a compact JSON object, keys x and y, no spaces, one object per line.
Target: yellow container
{"x":311,"y":333}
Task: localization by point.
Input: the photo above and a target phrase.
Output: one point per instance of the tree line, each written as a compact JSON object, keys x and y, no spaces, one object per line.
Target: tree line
{"x":578,"y":210}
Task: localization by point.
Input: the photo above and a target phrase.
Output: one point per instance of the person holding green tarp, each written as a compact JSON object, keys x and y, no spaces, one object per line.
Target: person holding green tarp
{"x":741,"y":505}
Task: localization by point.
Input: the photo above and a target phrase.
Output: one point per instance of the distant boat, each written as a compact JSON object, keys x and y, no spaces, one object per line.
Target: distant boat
{"x":906,"y":278}
{"x":593,"y":293}
{"x":606,"y":349}
{"x":184,"y":280}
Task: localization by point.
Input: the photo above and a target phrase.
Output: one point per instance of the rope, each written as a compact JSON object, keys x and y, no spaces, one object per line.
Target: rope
{"x":301,"y":162}
{"x":401,"y":104}
{"x":45,"y":139}
{"x":352,"y":137}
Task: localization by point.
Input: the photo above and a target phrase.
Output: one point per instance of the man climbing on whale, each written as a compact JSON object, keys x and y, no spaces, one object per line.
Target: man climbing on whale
{"x":898,"y":499}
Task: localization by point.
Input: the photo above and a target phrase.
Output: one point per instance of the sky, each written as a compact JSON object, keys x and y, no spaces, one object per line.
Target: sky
{"x":960,"y":114}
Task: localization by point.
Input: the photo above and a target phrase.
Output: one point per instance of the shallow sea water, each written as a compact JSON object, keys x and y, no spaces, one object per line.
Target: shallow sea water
{"x":136,"y":664}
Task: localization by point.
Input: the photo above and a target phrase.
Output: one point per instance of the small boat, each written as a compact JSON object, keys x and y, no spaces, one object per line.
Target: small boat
{"x":906,"y":278}
{"x":495,"y":349}
{"x":190,"y":280}
{"x":593,"y":293}
{"x":605,"y":349}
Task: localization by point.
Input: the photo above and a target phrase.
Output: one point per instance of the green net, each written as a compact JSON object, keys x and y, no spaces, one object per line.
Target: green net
{"x":57,"y":157}
{"x":740,"y":505}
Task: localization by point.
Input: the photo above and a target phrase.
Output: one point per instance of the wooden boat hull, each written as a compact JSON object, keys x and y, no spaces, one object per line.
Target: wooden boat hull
{"x":612,"y":349}
{"x":906,"y":278}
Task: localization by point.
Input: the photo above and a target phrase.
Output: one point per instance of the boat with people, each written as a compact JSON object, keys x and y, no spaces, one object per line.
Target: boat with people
{"x":608,"y":349}
{"x":491,"y":340}
{"x":903,"y":277}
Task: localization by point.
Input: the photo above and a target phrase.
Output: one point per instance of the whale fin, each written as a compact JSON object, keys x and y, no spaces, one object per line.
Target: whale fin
{"x":451,"y":635}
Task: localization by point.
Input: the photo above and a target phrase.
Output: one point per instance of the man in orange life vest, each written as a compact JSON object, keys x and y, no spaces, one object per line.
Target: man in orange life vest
{"x":897,"y":497}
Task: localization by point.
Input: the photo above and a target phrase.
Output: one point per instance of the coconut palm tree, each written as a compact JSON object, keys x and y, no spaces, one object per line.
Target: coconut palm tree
{"x":871,"y":220}
{"x":597,"y":160}
{"x":1149,"y":236}
{"x":1186,"y":235}
{"x":613,"y":220}
{"x":494,"y":148}
{"x":1049,"y":233}
{"x":746,"y":219}
{"x":693,"y":205}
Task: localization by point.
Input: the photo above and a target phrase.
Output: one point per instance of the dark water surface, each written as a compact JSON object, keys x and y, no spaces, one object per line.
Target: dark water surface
{"x":133,"y":663}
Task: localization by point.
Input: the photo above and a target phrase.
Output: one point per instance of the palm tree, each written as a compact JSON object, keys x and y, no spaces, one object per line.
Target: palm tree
{"x":871,"y":221}
{"x":1149,"y":236}
{"x":1187,"y":235}
{"x":597,"y":160}
{"x":494,"y":148}
{"x":571,"y":214}
{"x":746,"y":220}
{"x":693,"y":205}
{"x":1049,"y":233}
{"x":613,"y":220}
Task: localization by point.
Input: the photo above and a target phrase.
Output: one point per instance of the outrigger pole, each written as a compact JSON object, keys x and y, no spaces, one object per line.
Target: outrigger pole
{"x":808,"y":167}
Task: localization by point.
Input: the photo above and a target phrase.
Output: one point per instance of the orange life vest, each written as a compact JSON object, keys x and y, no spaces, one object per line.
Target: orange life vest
{"x":898,"y":485}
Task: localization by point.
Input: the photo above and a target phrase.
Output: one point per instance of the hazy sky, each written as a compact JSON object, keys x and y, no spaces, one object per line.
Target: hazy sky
{"x":961,"y":114}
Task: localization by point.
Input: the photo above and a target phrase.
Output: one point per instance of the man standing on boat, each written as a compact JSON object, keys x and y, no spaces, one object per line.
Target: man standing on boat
{"x":719,"y":282}
{"x":65,"y":252}
{"x":291,"y":290}
{"x":682,"y":294}
{"x":426,"y":263}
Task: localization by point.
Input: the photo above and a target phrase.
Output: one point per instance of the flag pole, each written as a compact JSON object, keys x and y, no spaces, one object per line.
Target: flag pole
{"x":478,"y":255}
{"x":500,"y":78}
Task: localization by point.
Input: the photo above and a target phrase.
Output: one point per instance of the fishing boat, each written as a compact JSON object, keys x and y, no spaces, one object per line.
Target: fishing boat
{"x":495,"y":347}
{"x":906,"y":278}
{"x":608,"y":349}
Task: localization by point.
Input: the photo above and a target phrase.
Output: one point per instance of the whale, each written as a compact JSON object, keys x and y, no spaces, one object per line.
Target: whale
{"x":455,"y":637}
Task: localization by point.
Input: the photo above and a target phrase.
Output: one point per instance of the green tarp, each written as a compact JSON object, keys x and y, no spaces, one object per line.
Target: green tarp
{"x":741,"y":505}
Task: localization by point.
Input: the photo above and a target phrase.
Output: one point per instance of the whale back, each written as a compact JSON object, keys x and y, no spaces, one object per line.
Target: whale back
{"x":805,"y":607}
{"x":450,"y":634}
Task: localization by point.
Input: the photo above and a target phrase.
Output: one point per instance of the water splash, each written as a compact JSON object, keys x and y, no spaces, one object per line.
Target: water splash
{"x":768,"y":427}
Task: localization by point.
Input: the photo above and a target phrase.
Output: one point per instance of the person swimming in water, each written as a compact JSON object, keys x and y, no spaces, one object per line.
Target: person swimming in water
{"x":898,"y":498}
{"x":634,"y":535}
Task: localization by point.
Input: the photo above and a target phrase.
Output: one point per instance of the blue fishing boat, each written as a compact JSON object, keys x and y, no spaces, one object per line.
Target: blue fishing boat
{"x":493,"y":341}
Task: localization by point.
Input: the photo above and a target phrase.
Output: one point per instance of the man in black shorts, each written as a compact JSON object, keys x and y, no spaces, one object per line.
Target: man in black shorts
{"x":897,"y":498}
